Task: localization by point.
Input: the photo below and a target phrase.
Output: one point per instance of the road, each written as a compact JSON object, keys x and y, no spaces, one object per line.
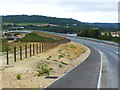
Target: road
{"x":84,"y":75}
{"x":106,"y":73}
{"x":109,"y":58}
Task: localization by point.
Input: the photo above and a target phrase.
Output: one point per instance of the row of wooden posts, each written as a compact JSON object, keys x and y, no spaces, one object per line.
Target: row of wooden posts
{"x":32,"y":49}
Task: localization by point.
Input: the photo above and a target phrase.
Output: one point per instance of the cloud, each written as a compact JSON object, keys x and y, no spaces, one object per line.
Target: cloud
{"x":82,"y":10}
{"x":91,"y":6}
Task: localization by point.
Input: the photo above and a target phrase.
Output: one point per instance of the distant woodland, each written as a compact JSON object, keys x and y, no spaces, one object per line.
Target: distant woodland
{"x":63,"y":25}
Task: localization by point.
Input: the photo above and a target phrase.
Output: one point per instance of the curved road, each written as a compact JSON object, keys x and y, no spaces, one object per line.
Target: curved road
{"x":109,"y":57}
{"x":100,"y":68}
{"x":84,"y":75}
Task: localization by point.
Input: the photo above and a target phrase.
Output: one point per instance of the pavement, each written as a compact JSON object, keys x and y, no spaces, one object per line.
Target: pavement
{"x":109,"y":56}
{"x":99,"y":70}
{"x":85,"y":75}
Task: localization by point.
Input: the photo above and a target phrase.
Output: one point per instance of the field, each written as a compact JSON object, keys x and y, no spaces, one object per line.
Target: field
{"x":33,"y":37}
{"x":49,"y":35}
{"x":23,"y":24}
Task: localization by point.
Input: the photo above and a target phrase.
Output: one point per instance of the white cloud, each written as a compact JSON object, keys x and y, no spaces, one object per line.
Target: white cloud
{"x":82,"y":10}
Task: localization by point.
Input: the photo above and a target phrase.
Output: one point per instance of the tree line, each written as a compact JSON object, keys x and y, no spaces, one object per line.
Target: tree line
{"x":96,"y":33}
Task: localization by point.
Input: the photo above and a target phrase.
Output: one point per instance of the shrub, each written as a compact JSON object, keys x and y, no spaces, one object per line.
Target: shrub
{"x":40,"y":72}
{"x":44,"y":69}
{"x":18,"y":76}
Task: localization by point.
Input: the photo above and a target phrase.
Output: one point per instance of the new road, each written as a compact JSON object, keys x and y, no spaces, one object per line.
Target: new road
{"x":99,"y":70}
{"x":109,"y":62}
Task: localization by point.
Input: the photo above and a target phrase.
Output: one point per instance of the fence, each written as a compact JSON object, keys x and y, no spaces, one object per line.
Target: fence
{"x":30,"y":49}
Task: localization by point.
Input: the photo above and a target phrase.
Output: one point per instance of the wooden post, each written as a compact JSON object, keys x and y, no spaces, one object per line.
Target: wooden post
{"x":26,"y":51}
{"x":42,"y":47}
{"x":30,"y":51}
{"x":39,"y":47}
{"x":33,"y":49}
{"x":7,"y":55}
{"x":15,"y":54}
{"x":20,"y":53}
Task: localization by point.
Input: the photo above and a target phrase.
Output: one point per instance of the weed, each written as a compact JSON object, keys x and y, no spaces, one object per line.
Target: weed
{"x":59,"y":50}
{"x":18,"y":76}
{"x":64,"y":63}
{"x":40,"y":72}
{"x":60,"y":65}
{"x":50,"y":56}
{"x":44,"y":69}
{"x":58,"y":57}
{"x":61,"y":56}
{"x":51,"y":68}
{"x":55,"y":60}
{"x":72,"y":46}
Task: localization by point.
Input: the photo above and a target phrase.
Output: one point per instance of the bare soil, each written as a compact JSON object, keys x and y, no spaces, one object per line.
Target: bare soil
{"x":71,"y":54}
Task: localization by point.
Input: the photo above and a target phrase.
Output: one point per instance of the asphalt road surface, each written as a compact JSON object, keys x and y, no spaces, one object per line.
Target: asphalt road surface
{"x":99,"y":70}
{"x":109,"y":58}
{"x":85,"y":75}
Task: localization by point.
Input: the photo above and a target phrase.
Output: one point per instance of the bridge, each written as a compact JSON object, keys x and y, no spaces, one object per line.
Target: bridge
{"x":15,"y":34}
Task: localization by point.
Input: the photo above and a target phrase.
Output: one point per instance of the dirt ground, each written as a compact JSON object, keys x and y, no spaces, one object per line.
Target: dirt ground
{"x":61,"y":59}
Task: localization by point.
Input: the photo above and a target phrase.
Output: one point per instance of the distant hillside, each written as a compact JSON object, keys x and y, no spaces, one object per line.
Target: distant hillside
{"x":60,"y":25}
{"x":38,"y":19}
{"x":105,"y":25}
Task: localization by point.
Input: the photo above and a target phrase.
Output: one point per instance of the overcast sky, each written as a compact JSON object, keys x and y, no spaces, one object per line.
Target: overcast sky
{"x":82,"y":10}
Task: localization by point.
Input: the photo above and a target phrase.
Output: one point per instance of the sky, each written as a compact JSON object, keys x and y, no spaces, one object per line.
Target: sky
{"x":81,"y":10}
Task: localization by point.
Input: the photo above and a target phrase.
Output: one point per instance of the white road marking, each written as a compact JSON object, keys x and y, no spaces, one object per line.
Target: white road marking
{"x":100,"y":74}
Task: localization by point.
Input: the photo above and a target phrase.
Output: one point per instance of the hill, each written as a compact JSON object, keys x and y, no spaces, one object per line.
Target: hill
{"x":38,"y":19}
{"x":59,"y":25}
{"x":106,"y":25}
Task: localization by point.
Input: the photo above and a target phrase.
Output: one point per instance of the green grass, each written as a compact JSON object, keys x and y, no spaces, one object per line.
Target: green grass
{"x":32,"y":37}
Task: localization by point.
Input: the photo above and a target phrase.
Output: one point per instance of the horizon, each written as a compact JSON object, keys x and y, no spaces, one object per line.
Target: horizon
{"x":84,"y":11}
{"x":60,"y":17}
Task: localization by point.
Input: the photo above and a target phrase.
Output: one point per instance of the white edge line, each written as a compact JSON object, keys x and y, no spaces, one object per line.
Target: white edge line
{"x":100,"y":74}
{"x":69,"y":70}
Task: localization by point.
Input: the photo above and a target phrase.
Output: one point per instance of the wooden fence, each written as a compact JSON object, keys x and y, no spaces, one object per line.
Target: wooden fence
{"x":30,"y":49}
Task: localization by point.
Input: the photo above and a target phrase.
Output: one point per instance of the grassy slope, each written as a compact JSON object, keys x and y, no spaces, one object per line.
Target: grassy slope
{"x":33,"y":37}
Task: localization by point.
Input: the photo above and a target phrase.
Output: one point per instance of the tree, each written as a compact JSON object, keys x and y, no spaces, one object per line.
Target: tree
{"x":92,"y":33}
